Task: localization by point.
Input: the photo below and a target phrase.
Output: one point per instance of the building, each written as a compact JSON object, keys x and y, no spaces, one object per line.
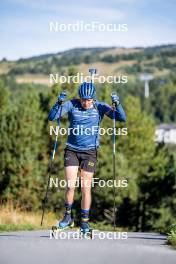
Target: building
{"x":166,"y":133}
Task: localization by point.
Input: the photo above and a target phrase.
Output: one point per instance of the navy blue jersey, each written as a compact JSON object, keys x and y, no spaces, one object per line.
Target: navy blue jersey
{"x":83,"y":132}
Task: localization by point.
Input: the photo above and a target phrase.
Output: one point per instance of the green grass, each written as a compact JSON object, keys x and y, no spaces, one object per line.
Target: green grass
{"x":15,"y":219}
{"x":171,"y":238}
{"x":13,"y":227}
{"x":28,"y":227}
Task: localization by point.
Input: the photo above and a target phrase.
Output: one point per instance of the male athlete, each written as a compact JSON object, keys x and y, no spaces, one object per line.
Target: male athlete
{"x":85,"y":115}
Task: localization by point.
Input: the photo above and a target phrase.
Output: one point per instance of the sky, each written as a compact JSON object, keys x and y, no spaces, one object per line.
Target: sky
{"x":25,"y":31}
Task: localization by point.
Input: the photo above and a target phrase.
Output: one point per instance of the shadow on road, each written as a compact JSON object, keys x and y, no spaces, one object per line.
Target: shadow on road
{"x":152,"y":238}
{"x":10,"y":236}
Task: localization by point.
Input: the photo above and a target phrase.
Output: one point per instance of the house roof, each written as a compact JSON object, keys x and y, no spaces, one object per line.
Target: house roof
{"x":166,"y":126}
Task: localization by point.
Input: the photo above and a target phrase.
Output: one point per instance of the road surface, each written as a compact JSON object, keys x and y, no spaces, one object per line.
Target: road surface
{"x":38,"y":247}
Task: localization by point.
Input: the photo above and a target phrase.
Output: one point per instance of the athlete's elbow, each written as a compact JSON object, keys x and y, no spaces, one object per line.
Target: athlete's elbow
{"x":122,"y":118}
{"x":50,"y":117}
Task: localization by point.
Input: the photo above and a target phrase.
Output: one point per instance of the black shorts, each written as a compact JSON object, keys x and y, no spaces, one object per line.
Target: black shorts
{"x":85,"y":160}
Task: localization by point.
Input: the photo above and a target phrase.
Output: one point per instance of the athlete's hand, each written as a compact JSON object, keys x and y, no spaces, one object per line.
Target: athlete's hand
{"x":62,"y":97}
{"x":115,"y":99}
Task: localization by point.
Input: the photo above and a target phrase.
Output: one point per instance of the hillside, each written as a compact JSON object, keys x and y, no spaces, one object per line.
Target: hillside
{"x":158,"y":60}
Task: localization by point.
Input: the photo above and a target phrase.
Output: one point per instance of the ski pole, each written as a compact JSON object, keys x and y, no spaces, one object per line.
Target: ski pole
{"x":92,"y":72}
{"x":50,"y":169}
{"x":114,"y":167}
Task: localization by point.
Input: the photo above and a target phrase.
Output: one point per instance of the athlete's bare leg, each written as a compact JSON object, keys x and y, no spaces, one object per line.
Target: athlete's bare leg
{"x":86,"y":180}
{"x":71,"y":176}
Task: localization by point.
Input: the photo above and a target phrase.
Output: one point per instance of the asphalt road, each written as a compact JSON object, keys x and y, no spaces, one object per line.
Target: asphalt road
{"x":38,"y":247}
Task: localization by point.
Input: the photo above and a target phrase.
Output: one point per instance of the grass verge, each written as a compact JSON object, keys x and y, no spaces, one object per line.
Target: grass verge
{"x":171,"y":238}
{"x":15,"y":219}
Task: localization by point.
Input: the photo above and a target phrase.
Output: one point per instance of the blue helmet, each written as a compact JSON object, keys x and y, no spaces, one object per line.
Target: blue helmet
{"x":87,"y":91}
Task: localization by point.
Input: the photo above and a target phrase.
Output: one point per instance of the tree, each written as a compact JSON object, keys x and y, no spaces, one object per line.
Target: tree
{"x":24,"y":143}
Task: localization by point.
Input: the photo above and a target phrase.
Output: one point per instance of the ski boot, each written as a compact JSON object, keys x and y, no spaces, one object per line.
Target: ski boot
{"x":85,"y":229}
{"x":66,"y":222}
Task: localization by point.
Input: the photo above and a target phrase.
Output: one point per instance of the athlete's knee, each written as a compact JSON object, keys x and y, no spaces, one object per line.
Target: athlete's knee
{"x":70,"y":187}
{"x":86,"y":187}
